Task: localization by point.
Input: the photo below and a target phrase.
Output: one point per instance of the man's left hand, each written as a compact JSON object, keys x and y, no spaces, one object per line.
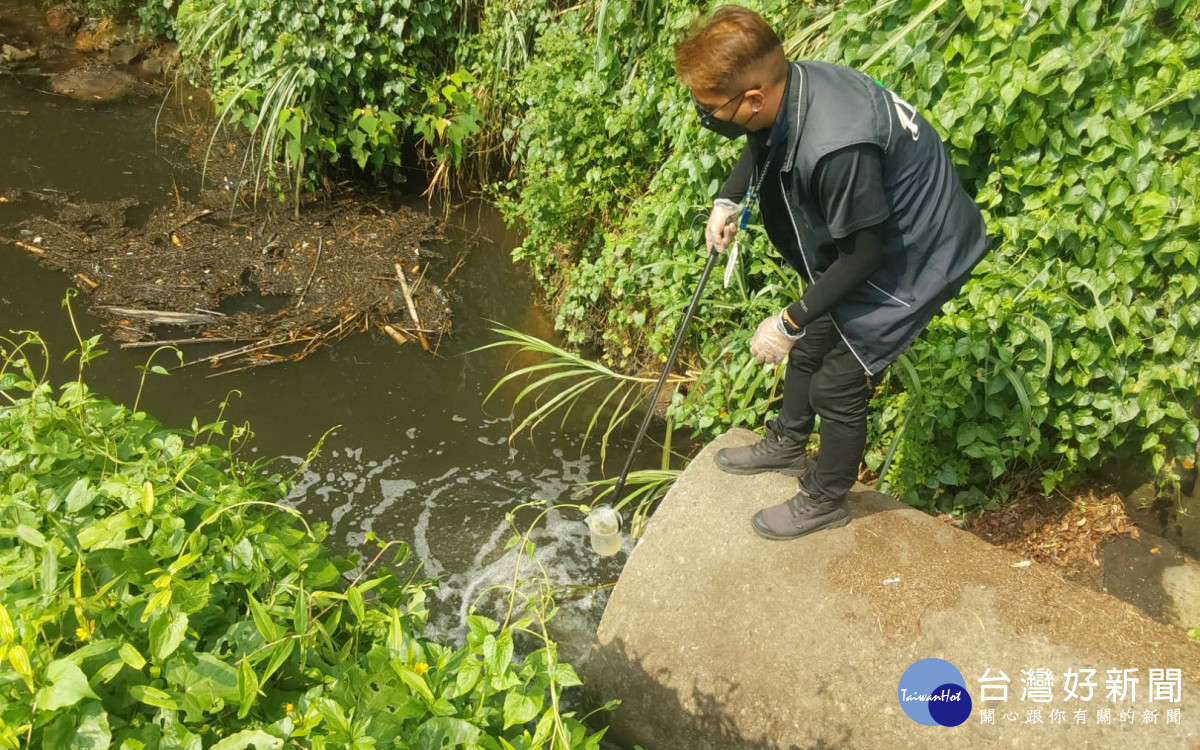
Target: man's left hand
{"x":769,"y":343}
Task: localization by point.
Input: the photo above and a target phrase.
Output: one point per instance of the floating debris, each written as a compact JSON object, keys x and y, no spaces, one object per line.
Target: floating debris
{"x":276,"y":286}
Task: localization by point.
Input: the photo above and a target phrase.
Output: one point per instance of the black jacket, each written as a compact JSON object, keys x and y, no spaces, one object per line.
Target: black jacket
{"x":934,"y":237}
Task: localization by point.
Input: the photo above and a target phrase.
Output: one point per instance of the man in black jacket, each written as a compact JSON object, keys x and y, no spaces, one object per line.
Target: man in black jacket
{"x":858,"y":194}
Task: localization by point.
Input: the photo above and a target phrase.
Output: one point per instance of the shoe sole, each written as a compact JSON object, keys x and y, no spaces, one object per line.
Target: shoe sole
{"x":744,"y":471}
{"x":784,"y":537}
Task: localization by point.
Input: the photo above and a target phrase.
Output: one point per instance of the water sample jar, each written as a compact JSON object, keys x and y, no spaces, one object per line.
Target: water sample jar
{"x":605,"y":526}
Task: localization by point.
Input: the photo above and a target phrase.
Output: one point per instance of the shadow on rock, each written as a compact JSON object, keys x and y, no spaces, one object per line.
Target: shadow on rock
{"x":660,"y":718}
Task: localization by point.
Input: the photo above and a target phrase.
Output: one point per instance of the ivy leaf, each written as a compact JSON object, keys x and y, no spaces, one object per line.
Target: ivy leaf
{"x":520,"y":707}
{"x":498,"y":653}
{"x":447,"y":732}
{"x":85,"y":729}
{"x":92,"y":732}
{"x":166,"y":633}
{"x":79,"y":496}
{"x":565,"y":676}
{"x":66,"y":686}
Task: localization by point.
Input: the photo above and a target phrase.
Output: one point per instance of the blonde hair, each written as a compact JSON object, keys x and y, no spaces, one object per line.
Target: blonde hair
{"x":722,"y":50}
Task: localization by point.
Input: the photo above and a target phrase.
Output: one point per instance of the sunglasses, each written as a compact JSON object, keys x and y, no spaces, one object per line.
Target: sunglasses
{"x":708,"y":115}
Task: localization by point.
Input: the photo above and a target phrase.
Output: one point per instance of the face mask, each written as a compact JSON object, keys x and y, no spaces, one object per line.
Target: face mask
{"x":725,"y":128}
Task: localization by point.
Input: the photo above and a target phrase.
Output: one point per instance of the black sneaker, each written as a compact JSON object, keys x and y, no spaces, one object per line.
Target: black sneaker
{"x":772,"y":453}
{"x":801,"y":514}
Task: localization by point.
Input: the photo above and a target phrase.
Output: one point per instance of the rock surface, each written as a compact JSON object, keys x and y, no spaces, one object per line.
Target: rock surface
{"x":715,"y":638}
{"x":96,"y":38}
{"x":124,"y":54}
{"x":64,"y":18}
{"x":93,"y":85}
{"x":152,"y":66}
{"x":1152,"y":574}
{"x":9,"y":53}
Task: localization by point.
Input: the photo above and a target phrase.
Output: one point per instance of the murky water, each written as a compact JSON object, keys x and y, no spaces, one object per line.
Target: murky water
{"x":416,"y":454}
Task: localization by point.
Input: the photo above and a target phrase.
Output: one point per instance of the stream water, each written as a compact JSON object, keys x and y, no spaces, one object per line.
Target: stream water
{"x":418,"y":456}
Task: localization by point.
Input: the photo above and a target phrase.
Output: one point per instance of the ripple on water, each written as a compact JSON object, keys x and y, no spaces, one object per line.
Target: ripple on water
{"x":455,"y":523}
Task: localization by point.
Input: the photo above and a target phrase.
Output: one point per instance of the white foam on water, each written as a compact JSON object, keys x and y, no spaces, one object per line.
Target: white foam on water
{"x":393,"y":490}
{"x":455,"y":526}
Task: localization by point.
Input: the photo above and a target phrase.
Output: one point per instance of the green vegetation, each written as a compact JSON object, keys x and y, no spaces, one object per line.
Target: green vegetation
{"x":559,"y":382}
{"x":316,"y":84}
{"x":157,"y":594}
{"x":1073,"y":125}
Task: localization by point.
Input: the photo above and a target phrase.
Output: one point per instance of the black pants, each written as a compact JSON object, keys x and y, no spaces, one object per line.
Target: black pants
{"x":825,"y":378}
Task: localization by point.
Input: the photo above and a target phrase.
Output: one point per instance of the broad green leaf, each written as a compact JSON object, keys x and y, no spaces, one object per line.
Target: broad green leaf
{"x":520,"y":707}
{"x":107,"y":530}
{"x":499,"y":653}
{"x":210,"y":681}
{"x":65,"y":686}
{"x":90,"y":731}
{"x":166,"y":633}
{"x":564,"y":675}
{"x":30,"y":535}
{"x":79,"y":496}
{"x":448,"y":732}
{"x":248,"y":738}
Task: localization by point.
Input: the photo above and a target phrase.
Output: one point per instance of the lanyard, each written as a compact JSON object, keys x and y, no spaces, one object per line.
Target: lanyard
{"x":753,"y":196}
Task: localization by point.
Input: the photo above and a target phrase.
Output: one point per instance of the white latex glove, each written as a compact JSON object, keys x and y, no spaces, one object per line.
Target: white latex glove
{"x":771,"y":342}
{"x":722,"y":225}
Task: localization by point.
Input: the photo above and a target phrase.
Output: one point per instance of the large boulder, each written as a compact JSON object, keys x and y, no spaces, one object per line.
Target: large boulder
{"x":716,"y":638}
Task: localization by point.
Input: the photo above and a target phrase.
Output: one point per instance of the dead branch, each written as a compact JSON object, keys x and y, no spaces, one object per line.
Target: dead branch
{"x":412,"y":308}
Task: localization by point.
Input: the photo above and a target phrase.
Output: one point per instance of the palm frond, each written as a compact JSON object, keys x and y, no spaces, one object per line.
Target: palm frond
{"x":643,"y":489}
{"x":562,"y":380}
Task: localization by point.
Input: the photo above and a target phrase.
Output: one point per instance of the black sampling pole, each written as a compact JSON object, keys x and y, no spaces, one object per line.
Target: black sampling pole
{"x":662,"y":379}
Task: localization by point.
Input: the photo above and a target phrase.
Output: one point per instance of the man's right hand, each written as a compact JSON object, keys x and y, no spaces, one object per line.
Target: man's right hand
{"x":722,"y":225}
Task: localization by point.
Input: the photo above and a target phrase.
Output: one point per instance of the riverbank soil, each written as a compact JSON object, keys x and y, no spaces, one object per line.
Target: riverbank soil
{"x":1095,"y":538}
{"x":1061,"y":531}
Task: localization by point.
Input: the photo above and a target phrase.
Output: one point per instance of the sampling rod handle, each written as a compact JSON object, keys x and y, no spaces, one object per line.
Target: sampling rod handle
{"x":662,"y":379}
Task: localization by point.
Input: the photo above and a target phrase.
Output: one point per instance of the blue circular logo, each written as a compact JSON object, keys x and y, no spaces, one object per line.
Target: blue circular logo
{"x":932,"y":692}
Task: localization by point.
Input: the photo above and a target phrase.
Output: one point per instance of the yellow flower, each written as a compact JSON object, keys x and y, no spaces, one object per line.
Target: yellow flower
{"x":288,"y":708}
{"x":421,"y":667}
{"x":85,"y":631}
